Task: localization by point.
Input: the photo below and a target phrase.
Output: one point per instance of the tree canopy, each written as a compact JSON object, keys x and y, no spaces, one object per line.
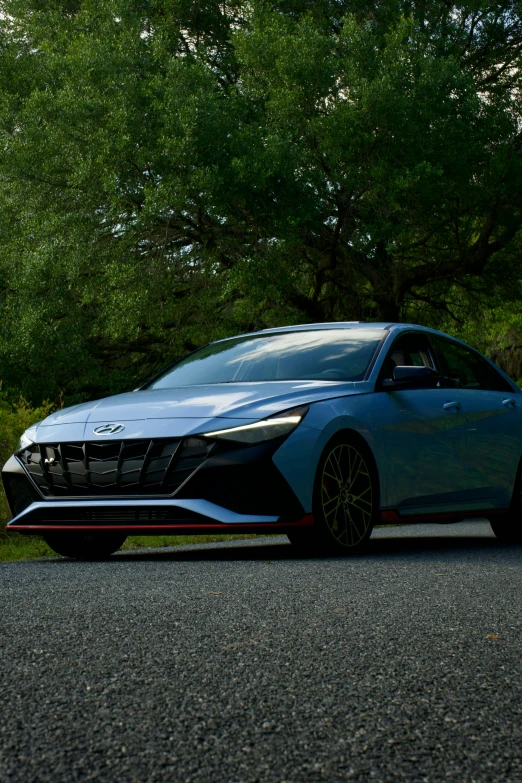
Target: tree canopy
{"x":174,"y":171}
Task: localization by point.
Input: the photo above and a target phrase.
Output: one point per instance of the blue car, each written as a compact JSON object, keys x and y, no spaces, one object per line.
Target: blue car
{"x":318,"y":431}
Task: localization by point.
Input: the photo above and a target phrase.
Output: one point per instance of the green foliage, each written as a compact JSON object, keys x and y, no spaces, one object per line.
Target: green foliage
{"x":158,"y":542}
{"x":172,"y":172}
{"x":14,"y":546}
{"x":20,"y":547}
{"x":14,"y":420}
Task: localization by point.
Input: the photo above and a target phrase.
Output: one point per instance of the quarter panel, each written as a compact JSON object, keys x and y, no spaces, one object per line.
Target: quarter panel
{"x":298,"y":457}
{"x":295,"y":460}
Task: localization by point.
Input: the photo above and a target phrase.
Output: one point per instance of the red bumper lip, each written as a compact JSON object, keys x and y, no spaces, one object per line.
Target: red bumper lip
{"x":173,"y":529}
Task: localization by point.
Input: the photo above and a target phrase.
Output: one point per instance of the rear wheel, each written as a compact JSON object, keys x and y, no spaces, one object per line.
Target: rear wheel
{"x":85,"y":546}
{"x":346,"y":500}
{"x":508,"y":527}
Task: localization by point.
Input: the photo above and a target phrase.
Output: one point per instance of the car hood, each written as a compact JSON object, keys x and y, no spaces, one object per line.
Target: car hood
{"x":232,"y":400}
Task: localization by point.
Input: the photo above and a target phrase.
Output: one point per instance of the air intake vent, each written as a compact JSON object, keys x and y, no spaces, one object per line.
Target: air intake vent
{"x":20,"y":492}
{"x":114,"y":468}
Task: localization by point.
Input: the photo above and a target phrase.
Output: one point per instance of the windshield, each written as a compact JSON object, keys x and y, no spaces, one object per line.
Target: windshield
{"x":323,"y":355}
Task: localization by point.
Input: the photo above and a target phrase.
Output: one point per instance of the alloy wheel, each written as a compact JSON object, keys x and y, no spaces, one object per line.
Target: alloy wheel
{"x":347,"y":495}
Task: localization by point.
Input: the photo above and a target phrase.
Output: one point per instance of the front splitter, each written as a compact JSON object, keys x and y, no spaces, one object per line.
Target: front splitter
{"x":146,"y":516}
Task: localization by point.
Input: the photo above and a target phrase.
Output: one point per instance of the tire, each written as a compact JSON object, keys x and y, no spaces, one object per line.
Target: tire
{"x":84,"y":546}
{"x":508,"y":527}
{"x":346,"y":500}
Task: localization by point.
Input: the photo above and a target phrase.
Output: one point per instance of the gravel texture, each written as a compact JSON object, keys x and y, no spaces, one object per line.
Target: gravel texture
{"x":243,"y":663}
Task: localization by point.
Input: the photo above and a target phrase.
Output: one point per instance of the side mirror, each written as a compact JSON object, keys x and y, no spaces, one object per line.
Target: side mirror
{"x":418,"y":376}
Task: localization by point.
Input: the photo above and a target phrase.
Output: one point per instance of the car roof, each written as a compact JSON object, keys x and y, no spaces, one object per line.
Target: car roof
{"x":311,"y":327}
{"x":327,"y":325}
{"x":384,"y":326}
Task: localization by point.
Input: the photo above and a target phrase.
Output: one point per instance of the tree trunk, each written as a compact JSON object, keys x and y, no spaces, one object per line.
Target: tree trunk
{"x":388,"y":310}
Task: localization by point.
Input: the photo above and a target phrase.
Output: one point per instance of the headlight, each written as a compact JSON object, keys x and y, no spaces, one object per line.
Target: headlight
{"x":27,"y":438}
{"x":261,"y":431}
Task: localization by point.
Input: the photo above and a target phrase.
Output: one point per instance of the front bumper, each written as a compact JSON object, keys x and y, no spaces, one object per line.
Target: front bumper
{"x":148,"y":517}
{"x":239,"y":491}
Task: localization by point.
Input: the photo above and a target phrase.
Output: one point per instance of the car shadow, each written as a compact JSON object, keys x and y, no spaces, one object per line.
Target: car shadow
{"x":280,"y":549}
{"x":283,"y":550}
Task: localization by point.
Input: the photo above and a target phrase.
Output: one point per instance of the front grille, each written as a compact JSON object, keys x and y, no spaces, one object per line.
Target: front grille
{"x":114,"y":468}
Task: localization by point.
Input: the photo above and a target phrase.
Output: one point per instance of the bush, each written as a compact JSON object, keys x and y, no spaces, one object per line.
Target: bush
{"x":14,"y":420}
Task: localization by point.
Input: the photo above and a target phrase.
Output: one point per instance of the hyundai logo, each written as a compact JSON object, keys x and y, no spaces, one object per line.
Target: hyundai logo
{"x":109,"y":429}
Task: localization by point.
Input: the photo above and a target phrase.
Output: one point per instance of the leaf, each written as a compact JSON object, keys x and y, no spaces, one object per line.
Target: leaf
{"x":493,"y":636}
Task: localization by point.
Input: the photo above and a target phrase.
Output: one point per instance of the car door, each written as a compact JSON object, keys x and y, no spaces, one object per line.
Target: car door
{"x":492,"y":415}
{"x":422,"y":431}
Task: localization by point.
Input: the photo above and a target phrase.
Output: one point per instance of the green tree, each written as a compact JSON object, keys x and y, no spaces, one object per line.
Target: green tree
{"x":175,"y":171}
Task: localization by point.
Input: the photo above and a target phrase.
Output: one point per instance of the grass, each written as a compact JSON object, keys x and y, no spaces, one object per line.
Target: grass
{"x":14,"y":546}
{"x":150,"y":542}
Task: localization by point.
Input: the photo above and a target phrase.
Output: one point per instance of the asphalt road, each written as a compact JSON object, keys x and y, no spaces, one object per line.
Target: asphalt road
{"x":246,"y":663}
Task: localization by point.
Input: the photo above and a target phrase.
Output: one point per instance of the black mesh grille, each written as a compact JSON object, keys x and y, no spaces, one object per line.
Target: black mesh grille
{"x":134,"y":515}
{"x":137,"y":467}
{"x":146,"y":517}
{"x":19,"y":491}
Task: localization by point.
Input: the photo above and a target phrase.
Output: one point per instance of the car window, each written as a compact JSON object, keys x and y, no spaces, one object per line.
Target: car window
{"x":408,"y":350}
{"x":465,"y":369}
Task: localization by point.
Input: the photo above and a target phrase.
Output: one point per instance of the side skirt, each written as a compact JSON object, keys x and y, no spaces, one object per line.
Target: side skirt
{"x":393,"y":516}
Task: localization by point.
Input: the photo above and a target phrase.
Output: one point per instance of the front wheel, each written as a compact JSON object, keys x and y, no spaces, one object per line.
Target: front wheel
{"x":84,"y":546}
{"x":346,"y":500}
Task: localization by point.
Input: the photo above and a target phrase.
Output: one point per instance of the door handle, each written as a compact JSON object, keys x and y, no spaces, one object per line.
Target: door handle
{"x":452,"y":406}
{"x":509,"y":403}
